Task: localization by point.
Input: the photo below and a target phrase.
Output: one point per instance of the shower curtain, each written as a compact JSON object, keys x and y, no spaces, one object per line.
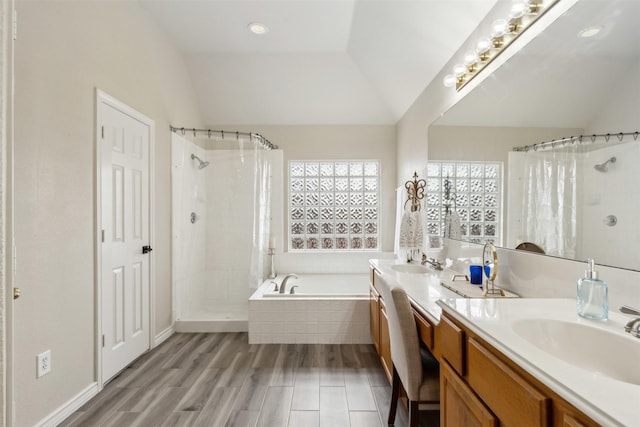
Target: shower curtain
{"x":221,"y":225}
{"x":550,"y":200}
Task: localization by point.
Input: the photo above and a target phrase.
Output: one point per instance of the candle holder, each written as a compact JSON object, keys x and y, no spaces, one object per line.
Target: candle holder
{"x":271,"y":252}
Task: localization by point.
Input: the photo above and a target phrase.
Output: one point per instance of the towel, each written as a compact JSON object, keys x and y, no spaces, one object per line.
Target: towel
{"x":411,"y":235}
{"x":452,"y":226}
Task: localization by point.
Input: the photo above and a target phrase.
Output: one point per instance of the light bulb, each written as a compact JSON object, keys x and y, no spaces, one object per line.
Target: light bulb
{"x":590,"y":31}
{"x":498,"y":28}
{"x":470,"y":58}
{"x":258,"y":28}
{"x":459,"y":70}
{"x":518,"y":9}
{"x":483,"y":45}
{"x":449,"y":80}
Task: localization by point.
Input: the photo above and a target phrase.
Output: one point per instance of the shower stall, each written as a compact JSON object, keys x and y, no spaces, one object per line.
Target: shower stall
{"x":221,"y":204}
{"x":572,"y":197}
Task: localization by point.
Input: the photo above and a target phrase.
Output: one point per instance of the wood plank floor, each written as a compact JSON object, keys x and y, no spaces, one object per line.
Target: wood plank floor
{"x":221,"y":380}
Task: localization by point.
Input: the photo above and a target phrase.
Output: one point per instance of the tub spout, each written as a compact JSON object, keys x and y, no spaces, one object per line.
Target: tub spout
{"x":285,"y":280}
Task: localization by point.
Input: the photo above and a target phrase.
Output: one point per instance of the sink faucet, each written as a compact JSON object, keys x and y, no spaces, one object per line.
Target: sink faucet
{"x":633,"y":325}
{"x":433,"y":262}
{"x":285,"y":280}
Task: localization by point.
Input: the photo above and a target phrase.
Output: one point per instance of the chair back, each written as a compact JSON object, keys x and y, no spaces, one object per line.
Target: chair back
{"x":403,"y":334}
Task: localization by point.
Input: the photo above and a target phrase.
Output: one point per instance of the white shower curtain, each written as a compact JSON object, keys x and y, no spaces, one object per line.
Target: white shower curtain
{"x":221,"y":224}
{"x":550,"y":200}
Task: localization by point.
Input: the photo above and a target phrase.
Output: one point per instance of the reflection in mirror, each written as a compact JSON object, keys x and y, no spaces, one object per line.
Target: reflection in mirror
{"x":562,"y":84}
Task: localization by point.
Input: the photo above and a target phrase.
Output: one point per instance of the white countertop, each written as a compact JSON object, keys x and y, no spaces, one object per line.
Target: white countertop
{"x":606,"y":400}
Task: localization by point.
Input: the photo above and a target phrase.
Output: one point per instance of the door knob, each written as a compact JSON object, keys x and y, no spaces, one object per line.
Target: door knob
{"x":146,"y":249}
{"x":16,"y":293}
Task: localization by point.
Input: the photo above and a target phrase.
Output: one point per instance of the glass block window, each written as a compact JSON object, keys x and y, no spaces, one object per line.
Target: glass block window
{"x":475,"y":192}
{"x":334,"y":205}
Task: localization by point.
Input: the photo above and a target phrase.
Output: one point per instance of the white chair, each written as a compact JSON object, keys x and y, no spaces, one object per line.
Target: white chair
{"x":413,"y":365}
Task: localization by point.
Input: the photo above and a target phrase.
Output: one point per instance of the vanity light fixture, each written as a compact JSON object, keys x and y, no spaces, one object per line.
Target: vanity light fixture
{"x":258,"y":28}
{"x":521,"y":15}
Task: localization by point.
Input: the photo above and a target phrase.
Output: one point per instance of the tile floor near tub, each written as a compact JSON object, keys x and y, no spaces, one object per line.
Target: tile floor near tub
{"x":222,"y":380}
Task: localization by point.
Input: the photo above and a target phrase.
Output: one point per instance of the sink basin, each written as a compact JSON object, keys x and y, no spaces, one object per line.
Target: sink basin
{"x":586,"y":347}
{"x":410,"y":268}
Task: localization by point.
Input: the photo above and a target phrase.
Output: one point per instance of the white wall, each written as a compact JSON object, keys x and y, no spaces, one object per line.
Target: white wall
{"x":619,"y":112}
{"x":64,"y":51}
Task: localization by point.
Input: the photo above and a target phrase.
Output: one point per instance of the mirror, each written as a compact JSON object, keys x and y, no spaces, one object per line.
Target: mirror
{"x":563,"y":84}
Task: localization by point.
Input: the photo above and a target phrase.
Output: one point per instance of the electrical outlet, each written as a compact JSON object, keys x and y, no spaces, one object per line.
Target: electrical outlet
{"x":43,"y":361}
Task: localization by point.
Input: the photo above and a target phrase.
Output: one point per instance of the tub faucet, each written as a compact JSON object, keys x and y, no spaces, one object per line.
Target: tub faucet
{"x":285,"y":280}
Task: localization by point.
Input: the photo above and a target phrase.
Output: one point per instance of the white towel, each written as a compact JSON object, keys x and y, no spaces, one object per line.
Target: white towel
{"x":411,"y":235}
{"x":452,"y":226}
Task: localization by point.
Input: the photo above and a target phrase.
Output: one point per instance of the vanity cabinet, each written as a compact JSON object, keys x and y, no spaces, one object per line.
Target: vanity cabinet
{"x":385,"y":342}
{"x":481,"y":386}
{"x":374,"y":317}
{"x":379,"y":325}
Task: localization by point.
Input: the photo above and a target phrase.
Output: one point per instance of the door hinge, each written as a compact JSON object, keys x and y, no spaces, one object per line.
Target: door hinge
{"x":102,"y":236}
{"x":103,"y":340}
{"x":102,"y":132}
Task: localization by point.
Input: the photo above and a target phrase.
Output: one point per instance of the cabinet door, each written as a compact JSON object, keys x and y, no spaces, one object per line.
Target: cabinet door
{"x":385,"y":342}
{"x":459,"y":407}
{"x":374,"y":318}
{"x":511,"y":397}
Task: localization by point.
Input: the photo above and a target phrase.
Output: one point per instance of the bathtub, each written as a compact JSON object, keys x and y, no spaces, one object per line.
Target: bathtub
{"x":325,"y":308}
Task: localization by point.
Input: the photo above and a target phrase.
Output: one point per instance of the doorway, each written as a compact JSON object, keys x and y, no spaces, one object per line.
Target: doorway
{"x":124,"y":235}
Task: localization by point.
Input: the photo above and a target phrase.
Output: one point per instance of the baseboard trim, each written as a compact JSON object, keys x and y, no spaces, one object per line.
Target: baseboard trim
{"x":163,"y":336}
{"x":68,"y":408}
{"x":204,"y":326}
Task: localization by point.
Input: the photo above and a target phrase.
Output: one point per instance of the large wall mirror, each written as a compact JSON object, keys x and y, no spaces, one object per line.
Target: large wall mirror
{"x":566,"y":82}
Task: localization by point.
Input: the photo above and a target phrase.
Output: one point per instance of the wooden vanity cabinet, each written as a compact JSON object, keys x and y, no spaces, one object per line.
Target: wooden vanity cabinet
{"x":379,"y":325}
{"x":374,"y":317}
{"x":481,"y":386}
{"x":385,"y":342}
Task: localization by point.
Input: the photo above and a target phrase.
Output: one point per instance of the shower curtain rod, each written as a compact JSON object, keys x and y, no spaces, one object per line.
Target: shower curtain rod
{"x":577,"y":139}
{"x":261,"y":139}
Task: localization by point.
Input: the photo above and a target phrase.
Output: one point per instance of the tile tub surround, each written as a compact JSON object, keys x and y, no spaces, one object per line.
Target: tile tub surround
{"x":329,"y":319}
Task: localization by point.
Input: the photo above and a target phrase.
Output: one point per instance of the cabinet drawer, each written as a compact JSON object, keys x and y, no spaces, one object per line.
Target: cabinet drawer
{"x":425,"y":330}
{"x":510,"y":397}
{"x":452,"y":344}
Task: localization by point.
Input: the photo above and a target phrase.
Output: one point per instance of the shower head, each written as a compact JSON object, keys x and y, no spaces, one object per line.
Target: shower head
{"x":201,"y":164}
{"x":604,"y":166}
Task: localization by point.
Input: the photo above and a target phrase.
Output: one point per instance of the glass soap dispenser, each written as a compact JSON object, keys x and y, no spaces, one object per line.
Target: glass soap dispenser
{"x":592,"y":295}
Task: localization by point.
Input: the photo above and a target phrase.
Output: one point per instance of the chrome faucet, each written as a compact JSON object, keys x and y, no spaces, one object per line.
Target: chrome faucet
{"x":433,"y":262}
{"x":285,"y":280}
{"x":633,"y":325}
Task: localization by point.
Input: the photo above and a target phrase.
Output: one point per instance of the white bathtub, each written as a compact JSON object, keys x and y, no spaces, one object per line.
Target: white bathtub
{"x":325,"y":308}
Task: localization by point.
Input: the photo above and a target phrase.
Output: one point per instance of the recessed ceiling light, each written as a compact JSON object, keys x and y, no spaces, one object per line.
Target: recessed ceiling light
{"x":590,"y":31}
{"x":258,"y":28}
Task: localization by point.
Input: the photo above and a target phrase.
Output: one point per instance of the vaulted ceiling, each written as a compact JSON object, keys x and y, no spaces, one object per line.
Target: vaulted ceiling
{"x":321,"y":62}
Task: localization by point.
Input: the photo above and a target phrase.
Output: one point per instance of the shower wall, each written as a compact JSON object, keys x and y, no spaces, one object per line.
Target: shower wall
{"x":611,"y":193}
{"x":221,"y":258}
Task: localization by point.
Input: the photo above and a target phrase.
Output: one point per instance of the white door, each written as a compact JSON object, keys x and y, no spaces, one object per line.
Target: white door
{"x":125,"y":221}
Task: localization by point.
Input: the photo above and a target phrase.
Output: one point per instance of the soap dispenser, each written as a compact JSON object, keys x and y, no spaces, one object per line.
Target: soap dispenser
{"x":592,"y":295}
